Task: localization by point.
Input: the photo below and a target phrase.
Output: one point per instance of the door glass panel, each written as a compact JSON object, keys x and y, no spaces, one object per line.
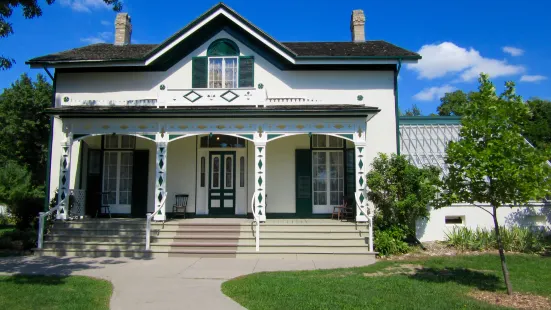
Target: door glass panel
{"x":110,"y":176}
{"x":216,"y":172}
{"x":203,"y":171}
{"x":336,"y":177}
{"x":229,"y":172}
{"x":125,"y":187}
{"x":328,"y":177}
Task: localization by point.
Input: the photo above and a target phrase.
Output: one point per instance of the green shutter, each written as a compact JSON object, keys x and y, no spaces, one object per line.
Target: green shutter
{"x":246,"y":71}
{"x":199,"y":72}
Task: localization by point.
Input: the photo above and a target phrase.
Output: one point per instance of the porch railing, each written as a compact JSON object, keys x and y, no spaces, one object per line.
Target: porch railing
{"x":41,"y":224}
{"x":256,"y":221}
{"x":148,"y":223}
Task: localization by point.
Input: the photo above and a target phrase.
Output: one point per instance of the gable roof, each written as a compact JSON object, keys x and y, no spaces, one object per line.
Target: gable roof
{"x":220,"y":17}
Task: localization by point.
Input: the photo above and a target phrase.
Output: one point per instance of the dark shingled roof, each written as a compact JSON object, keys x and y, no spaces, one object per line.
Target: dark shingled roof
{"x":368,"y":48}
{"x":137,"y":52}
{"x":99,"y":52}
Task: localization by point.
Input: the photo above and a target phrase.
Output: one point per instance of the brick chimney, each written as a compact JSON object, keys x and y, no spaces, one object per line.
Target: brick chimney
{"x":357,"y":26}
{"x":123,"y":29}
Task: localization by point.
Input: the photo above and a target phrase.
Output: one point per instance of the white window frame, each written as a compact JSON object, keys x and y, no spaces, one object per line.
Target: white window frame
{"x":223,"y":71}
{"x":327,"y":178}
{"x":118,"y":182}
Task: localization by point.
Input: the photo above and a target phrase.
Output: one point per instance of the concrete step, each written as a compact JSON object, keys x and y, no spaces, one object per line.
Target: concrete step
{"x":263,"y":253}
{"x":251,"y":247}
{"x":93,"y":245}
{"x":101,"y":225}
{"x":265,"y":241}
{"x":92,"y":253}
{"x":95,"y":238}
{"x":98,"y":232}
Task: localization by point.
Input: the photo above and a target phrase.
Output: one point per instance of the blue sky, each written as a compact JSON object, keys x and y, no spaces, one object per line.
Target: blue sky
{"x":458,"y":38}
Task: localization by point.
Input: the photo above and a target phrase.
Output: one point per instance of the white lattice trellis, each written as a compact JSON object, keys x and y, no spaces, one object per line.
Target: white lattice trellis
{"x":79,"y":202}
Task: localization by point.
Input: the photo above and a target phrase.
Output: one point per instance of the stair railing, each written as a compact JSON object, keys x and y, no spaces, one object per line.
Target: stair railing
{"x":41,"y":224}
{"x":256,"y":221}
{"x":148,"y":223}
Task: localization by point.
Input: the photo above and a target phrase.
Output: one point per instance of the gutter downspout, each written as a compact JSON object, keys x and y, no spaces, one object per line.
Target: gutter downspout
{"x":396,"y":108}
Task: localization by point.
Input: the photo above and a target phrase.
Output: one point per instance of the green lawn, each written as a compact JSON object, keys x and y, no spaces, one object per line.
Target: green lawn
{"x":438,"y":283}
{"x":49,"y":292}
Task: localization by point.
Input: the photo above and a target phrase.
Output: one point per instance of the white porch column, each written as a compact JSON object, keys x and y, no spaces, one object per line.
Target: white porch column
{"x":160,"y":176}
{"x":64,"y":177}
{"x":260,"y":140}
{"x":364,"y":211}
{"x":361,"y":187}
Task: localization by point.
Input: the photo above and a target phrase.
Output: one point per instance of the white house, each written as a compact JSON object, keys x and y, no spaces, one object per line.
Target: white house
{"x":245,"y":125}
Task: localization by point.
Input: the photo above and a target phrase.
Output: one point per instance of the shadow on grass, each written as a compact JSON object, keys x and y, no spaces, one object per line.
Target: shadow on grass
{"x":34,"y":280}
{"x":468,"y":277}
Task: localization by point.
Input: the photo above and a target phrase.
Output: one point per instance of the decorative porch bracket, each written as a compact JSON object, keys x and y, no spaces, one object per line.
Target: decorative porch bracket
{"x":64,"y":177}
{"x":161,"y":139}
{"x":260,"y":140}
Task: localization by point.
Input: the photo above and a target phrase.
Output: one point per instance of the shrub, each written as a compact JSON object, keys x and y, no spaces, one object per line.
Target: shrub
{"x":18,"y":240}
{"x":23,"y":199}
{"x":515,"y":239}
{"x":401,"y":192}
{"x":391,"y":241}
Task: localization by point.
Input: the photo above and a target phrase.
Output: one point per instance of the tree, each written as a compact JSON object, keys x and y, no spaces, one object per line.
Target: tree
{"x":491,"y":162}
{"x":25,"y":125}
{"x":31,"y":9}
{"x":400,"y":192}
{"x":452,"y":103}
{"x":414,"y":111}
{"x":538,"y":129}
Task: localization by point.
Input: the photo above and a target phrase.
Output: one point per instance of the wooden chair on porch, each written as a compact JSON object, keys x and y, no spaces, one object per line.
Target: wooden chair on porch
{"x":180,"y":206}
{"x":344,"y":211}
{"x":104,"y":207}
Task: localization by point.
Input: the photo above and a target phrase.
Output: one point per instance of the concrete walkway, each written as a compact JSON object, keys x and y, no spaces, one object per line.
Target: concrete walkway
{"x":165,"y":283}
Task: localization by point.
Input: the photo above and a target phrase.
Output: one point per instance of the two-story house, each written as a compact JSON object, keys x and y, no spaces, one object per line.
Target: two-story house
{"x":222,"y":112}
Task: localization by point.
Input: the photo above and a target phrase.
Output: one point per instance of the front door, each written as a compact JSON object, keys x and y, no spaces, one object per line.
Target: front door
{"x":221,"y":183}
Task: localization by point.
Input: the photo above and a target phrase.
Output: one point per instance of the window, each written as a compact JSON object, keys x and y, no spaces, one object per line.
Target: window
{"x":223,"y":67}
{"x":223,"y":72}
{"x":119,"y":142}
{"x":455,"y":220}
{"x":242,"y":171}
{"x":328,"y":177}
{"x":222,"y":141}
{"x":203,"y":171}
{"x":325,"y":141}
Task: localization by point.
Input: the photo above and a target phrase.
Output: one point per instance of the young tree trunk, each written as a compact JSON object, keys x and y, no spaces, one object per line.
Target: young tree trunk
{"x":502,"y":253}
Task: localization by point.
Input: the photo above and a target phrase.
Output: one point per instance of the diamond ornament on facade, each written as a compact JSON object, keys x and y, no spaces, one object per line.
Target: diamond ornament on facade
{"x":229,"y":96}
{"x":192,"y":96}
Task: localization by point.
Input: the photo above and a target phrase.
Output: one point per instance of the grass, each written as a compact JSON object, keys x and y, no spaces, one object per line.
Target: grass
{"x":438,"y":283}
{"x":50,"y":292}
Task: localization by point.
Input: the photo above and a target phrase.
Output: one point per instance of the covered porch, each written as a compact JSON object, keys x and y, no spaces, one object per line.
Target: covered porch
{"x":297,"y":167}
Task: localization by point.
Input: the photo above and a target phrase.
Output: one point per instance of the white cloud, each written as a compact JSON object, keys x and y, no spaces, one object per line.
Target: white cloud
{"x":101,"y":37}
{"x":532,"y":78}
{"x":513,"y":51}
{"x":84,"y":5}
{"x":106,"y":23}
{"x":432,"y":93}
{"x":447,"y":58}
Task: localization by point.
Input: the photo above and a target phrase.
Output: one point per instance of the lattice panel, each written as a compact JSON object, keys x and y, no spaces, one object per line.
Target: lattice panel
{"x":79,"y":201}
{"x":426,"y":144}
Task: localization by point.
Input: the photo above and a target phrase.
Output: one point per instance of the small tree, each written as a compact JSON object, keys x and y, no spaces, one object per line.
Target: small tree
{"x":401,"y":192}
{"x":414,"y":111}
{"x":492,"y":162}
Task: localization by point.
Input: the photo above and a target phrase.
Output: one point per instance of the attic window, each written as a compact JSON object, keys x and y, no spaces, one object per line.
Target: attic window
{"x":223,"y":47}
{"x":455,"y":220}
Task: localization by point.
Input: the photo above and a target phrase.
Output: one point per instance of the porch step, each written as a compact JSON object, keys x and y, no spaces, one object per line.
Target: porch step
{"x":96,"y":238}
{"x":92,"y":253}
{"x":94,"y":245}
